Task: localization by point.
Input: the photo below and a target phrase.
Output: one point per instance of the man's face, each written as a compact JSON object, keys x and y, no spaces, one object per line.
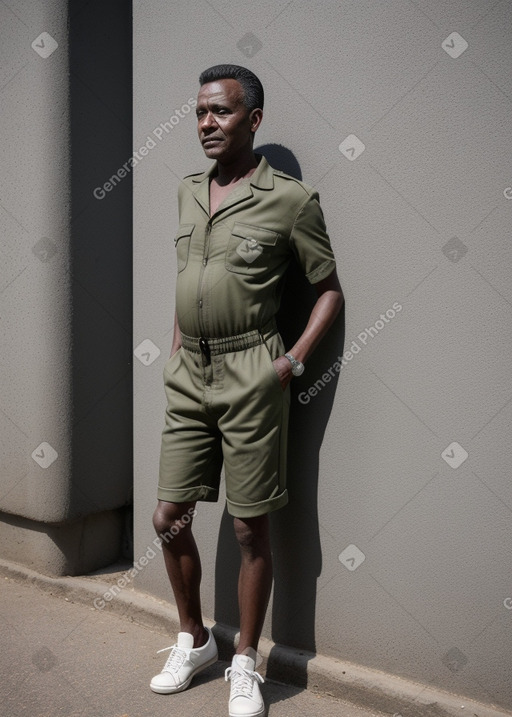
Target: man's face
{"x":224,"y":124}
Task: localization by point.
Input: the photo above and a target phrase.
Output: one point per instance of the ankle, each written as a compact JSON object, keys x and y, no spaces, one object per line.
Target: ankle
{"x":202,"y":639}
{"x":198,"y":632}
{"x":200,"y":636}
{"x":249,"y":651}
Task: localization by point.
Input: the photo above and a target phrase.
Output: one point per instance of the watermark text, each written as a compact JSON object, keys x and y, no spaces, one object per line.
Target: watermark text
{"x":363,"y":339}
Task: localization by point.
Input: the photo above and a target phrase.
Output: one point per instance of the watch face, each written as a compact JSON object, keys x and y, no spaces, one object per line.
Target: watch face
{"x":298,"y":369}
{"x":297,"y":366}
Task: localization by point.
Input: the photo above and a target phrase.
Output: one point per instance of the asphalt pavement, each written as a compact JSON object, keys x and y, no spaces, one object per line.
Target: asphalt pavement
{"x":61,"y":658}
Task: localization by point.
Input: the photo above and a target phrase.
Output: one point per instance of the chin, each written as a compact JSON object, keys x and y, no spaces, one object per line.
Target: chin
{"x":213,"y":152}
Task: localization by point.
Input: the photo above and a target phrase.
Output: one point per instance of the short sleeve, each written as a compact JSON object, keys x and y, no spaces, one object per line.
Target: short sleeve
{"x":310,"y":241}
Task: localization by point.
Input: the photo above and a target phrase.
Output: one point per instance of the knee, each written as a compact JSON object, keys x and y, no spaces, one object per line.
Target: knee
{"x":169,"y":516}
{"x":252,"y":533}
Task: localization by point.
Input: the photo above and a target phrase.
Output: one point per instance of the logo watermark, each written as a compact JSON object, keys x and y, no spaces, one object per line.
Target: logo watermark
{"x":45,"y":45}
{"x":363,"y":338}
{"x":249,"y":249}
{"x":351,"y":557}
{"x":44,"y":454}
{"x":454,"y":454}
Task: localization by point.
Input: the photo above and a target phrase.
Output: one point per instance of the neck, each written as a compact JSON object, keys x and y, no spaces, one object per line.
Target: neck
{"x":243,"y":166}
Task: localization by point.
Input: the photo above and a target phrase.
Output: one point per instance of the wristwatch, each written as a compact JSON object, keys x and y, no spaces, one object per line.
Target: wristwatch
{"x":297,"y":366}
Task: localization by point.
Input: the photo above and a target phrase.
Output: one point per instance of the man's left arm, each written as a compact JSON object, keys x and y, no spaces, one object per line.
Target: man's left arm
{"x":327,"y":307}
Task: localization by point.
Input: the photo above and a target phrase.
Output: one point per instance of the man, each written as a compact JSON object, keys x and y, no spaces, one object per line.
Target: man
{"x":227,"y":377}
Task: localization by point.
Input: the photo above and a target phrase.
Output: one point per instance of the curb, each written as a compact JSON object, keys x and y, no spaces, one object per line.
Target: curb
{"x":371,"y":689}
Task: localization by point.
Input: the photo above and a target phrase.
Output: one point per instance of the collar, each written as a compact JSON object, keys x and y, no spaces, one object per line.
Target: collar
{"x":262,"y":177}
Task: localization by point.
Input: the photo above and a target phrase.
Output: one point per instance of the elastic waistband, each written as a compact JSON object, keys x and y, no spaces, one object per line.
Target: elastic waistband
{"x":214,"y":346}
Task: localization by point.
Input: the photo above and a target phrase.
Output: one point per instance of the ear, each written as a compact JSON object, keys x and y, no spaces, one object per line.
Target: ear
{"x":255,"y":118}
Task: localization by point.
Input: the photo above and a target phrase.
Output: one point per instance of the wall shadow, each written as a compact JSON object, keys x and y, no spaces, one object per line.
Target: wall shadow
{"x":101,"y":110}
{"x":295,"y":528}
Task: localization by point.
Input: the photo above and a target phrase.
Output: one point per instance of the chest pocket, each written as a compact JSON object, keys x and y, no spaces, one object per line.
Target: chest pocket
{"x":250,"y":249}
{"x":182,"y":244}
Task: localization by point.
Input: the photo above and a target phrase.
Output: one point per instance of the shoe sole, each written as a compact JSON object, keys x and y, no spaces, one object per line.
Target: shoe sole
{"x":171,"y":690}
{"x":253,"y":714}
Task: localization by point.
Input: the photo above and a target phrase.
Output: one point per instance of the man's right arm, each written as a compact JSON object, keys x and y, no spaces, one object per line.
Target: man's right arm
{"x":176,"y":339}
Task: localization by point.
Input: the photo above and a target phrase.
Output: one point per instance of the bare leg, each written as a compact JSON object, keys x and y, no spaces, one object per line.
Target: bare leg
{"x":183,"y":565}
{"x":255,"y":579}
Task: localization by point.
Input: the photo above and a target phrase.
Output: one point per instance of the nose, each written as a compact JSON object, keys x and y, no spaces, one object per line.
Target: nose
{"x":207,"y":121}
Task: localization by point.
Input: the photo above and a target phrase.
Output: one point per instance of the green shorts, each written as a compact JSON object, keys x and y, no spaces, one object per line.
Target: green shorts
{"x":227,"y":409}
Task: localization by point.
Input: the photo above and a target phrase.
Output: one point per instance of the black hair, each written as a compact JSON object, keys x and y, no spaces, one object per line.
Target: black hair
{"x":252,"y":87}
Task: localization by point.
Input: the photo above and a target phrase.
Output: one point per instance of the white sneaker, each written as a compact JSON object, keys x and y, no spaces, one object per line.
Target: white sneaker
{"x":183,"y":663}
{"x":245,"y":698}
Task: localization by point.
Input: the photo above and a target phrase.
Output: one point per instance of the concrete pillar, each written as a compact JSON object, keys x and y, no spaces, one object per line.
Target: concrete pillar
{"x":65,"y":288}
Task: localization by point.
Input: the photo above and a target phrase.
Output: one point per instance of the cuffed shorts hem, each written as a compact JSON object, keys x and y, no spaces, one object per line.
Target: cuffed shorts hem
{"x":253,"y":510}
{"x":188,"y":495}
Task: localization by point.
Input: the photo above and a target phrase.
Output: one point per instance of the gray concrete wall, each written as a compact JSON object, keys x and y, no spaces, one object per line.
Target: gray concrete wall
{"x":65,"y":291}
{"x":394,"y":551}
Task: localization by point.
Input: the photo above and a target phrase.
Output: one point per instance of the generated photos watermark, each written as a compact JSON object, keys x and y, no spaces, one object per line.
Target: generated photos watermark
{"x":160,"y":132}
{"x":127,"y":577}
{"x":363,"y":339}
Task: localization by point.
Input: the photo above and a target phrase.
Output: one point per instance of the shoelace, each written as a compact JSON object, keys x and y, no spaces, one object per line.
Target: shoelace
{"x":175,"y":659}
{"x":242,"y":680}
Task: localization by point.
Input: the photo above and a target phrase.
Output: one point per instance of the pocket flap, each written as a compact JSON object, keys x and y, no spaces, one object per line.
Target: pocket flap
{"x":185,"y":230}
{"x":249,"y":231}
